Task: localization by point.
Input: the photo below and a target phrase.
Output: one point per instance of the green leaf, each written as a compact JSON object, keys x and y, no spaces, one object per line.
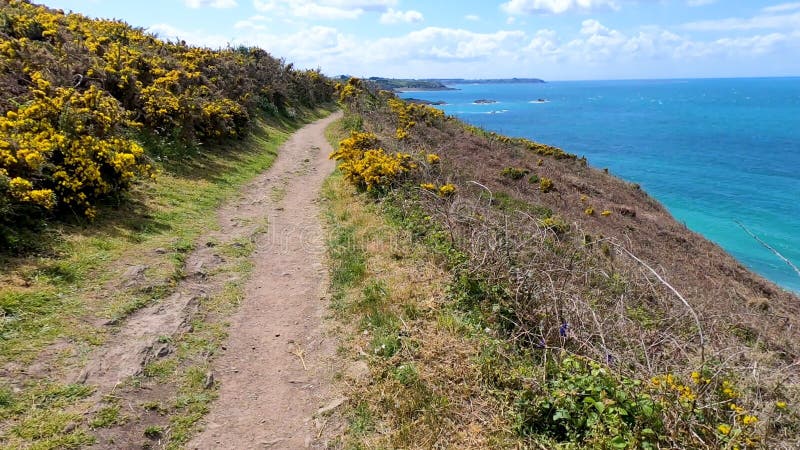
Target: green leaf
{"x":619,"y":442}
{"x":600,"y":407}
{"x":561,"y":414}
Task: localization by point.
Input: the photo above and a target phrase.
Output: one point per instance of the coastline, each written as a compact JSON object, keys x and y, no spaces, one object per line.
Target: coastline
{"x":716,"y":225}
{"x":446,"y":88}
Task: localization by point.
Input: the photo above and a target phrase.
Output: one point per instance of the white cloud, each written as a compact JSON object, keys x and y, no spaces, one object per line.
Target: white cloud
{"x":265,"y":5}
{"x":754,"y":45}
{"x":253,"y":23}
{"x":201,"y":38}
{"x":435,"y":43}
{"x":211,"y":3}
{"x":590,"y":50}
{"x":392,"y":16}
{"x":694,"y":3}
{"x":783,"y":7}
{"x":788,"y":21}
{"x":473,"y":17}
{"x":315,"y":11}
{"x":322,"y":9}
{"x":556,"y":6}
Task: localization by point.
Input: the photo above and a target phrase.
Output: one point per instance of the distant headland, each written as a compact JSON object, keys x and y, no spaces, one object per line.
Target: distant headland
{"x":438,"y":84}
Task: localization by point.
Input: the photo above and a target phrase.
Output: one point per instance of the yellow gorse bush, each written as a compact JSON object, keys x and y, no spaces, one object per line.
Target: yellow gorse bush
{"x":369,"y":167}
{"x":409,"y":113}
{"x":65,"y":147}
{"x":70,"y":85}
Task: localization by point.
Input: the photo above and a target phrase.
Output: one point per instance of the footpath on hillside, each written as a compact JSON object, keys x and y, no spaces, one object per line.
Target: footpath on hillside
{"x":275,"y":371}
{"x":276,"y":366}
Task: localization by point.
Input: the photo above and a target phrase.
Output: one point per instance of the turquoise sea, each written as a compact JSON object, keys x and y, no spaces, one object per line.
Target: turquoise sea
{"x":714,"y":151}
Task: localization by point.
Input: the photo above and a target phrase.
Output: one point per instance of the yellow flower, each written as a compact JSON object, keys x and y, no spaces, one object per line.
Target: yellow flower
{"x":724,"y":428}
{"x":432,"y":158}
{"x":780,"y":405}
{"x":749,"y":420}
{"x":43,"y":198}
{"x":20,"y":185}
{"x":428,"y":186}
{"x":447,"y":190}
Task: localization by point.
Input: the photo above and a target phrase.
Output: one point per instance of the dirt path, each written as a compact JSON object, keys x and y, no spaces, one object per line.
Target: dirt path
{"x":275,"y":372}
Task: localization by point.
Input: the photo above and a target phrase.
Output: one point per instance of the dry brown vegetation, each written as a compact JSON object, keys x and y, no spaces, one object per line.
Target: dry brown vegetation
{"x":598,"y":294}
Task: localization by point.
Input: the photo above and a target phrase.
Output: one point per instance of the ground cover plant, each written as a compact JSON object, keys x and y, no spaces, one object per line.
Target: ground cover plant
{"x":605,"y":323}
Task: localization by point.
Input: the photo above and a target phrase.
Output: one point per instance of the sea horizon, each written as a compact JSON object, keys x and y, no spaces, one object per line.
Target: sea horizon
{"x":546,"y":81}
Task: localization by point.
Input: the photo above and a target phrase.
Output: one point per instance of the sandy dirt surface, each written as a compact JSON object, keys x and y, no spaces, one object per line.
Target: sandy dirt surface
{"x":275,"y":372}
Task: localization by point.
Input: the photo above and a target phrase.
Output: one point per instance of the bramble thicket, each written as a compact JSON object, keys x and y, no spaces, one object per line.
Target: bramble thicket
{"x":79,"y":94}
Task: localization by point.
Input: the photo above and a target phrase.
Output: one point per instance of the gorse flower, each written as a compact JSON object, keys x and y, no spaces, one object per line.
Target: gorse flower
{"x":749,"y":420}
{"x":428,"y":186}
{"x":368,"y":167}
{"x":77,"y":134}
{"x":447,"y":190}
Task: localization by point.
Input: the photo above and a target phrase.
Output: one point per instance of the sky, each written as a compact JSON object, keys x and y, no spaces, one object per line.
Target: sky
{"x":548,"y":39}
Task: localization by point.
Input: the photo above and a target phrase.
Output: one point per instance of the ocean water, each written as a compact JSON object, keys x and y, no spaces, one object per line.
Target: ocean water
{"x":713,"y":151}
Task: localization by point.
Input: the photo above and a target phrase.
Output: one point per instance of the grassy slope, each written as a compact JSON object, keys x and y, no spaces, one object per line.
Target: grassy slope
{"x":424,"y":386}
{"x":58,"y":305}
{"x":523,"y":261}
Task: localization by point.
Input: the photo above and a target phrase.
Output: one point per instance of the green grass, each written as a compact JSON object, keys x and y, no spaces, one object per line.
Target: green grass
{"x":56,"y":296}
{"x":107,"y":417}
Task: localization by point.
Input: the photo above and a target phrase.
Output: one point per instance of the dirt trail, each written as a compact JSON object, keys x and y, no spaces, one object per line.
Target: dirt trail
{"x":275,"y":372}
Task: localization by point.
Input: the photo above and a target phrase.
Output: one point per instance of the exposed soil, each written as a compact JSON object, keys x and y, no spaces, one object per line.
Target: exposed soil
{"x":274,"y":373}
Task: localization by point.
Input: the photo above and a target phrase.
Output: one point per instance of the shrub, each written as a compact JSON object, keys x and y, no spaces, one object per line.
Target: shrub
{"x":66,"y":148}
{"x":554,"y":223}
{"x":545,"y":184}
{"x":367,"y":167}
{"x":447,"y":190}
{"x":515,"y":173}
{"x":584,"y":403}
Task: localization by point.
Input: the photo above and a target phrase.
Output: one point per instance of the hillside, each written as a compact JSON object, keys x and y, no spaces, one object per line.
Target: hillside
{"x":129,"y":216}
{"x":80,"y":97}
{"x":588,"y":315}
{"x":164,"y":210}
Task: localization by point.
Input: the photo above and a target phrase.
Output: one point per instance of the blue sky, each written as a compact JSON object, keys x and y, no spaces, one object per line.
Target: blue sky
{"x":550,"y":39}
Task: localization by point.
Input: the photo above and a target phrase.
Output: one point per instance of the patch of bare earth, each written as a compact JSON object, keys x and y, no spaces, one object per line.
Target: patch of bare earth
{"x":276,"y":369}
{"x":273,"y":372}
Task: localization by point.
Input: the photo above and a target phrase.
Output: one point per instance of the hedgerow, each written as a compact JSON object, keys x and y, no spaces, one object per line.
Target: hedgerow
{"x":76,"y":93}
